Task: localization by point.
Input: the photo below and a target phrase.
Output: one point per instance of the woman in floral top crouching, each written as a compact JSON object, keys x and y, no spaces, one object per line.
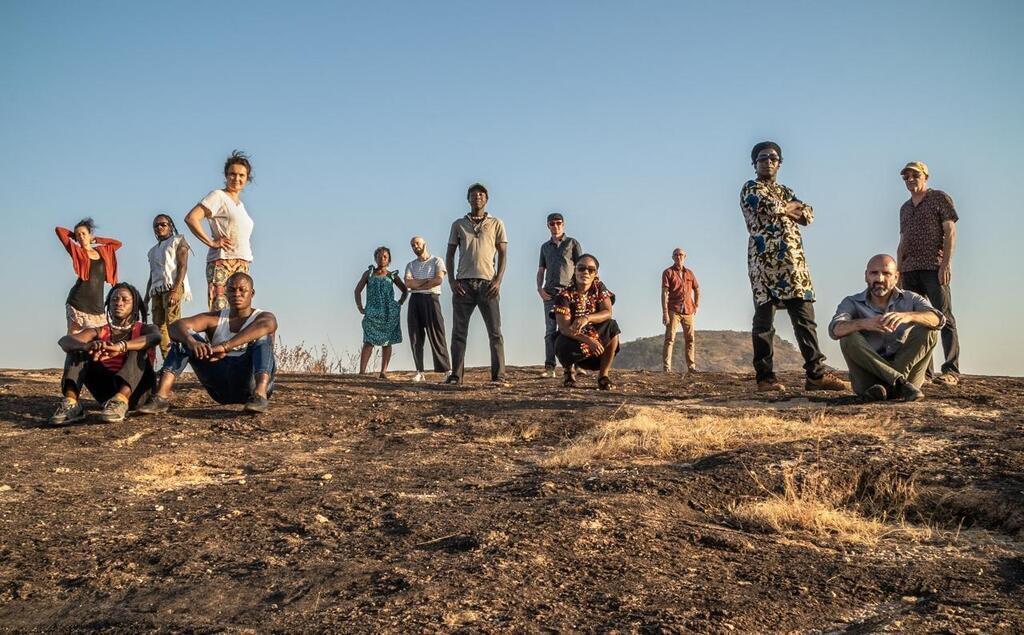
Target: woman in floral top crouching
{"x":588,"y":337}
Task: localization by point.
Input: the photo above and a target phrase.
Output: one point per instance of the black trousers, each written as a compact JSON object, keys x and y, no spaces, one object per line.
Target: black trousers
{"x":926,"y":283}
{"x":137,"y":373}
{"x":801,"y":313}
{"x":462,"y":309}
{"x":425,"y":318}
{"x":570,"y":353}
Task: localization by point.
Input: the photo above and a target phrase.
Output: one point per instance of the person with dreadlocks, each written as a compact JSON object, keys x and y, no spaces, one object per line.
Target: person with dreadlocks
{"x":778,"y":271}
{"x":230,"y":351}
{"x":168,"y":282}
{"x":114,"y":361}
{"x":587,"y":337}
{"x":95,"y":262}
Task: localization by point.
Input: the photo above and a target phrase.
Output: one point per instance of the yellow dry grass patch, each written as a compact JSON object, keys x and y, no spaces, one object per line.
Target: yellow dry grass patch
{"x":176,"y":471}
{"x":659,"y":433}
{"x":785,"y":515}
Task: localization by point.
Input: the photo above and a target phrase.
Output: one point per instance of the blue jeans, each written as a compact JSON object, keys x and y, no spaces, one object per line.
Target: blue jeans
{"x":550,"y":330}
{"x":229,"y":380}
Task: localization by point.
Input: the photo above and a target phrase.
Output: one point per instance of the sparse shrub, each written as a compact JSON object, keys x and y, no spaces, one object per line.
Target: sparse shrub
{"x":313,"y":360}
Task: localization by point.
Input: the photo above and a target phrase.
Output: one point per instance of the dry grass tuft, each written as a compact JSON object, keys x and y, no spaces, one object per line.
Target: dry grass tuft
{"x":312,"y":360}
{"x":667,"y":434}
{"x":783,"y":515}
{"x":815,"y":502}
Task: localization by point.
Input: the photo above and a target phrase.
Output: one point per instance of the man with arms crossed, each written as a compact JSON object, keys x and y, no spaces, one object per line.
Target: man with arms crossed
{"x":778,"y":271}
{"x":558,"y":256}
{"x":231,"y":352}
{"x":478,"y":237}
{"x":423,"y":277}
{"x":927,"y":240}
{"x":886,"y":334}
{"x":680,"y":297}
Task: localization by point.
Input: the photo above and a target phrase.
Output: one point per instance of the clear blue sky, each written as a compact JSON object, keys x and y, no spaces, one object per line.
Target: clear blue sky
{"x":367,"y":121}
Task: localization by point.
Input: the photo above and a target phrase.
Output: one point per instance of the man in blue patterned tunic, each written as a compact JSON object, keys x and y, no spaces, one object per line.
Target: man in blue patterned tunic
{"x":778,"y":271}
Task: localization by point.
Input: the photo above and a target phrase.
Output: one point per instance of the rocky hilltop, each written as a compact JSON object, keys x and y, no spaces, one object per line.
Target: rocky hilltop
{"x":717,"y":351}
{"x":668,"y":504}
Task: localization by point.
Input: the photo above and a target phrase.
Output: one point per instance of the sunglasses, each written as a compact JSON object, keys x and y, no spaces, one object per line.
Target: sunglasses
{"x":161,"y":224}
{"x":770,"y":158}
{"x":586,"y":269}
{"x":910,"y":176}
{"x":554,"y":222}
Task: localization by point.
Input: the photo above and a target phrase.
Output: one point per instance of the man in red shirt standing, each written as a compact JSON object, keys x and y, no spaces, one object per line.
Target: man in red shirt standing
{"x":680,"y":297}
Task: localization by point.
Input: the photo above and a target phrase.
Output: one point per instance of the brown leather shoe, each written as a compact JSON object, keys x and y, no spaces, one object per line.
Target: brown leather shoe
{"x":828,"y":381}
{"x":770,"y":385}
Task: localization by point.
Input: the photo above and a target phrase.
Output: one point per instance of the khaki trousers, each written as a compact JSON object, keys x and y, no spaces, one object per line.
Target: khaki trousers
{"x":689,"y":339}
{"x":163,"y":314}
{"x":868,"y":367}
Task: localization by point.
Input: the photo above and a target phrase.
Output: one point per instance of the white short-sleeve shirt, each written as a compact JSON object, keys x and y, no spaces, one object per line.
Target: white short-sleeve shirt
{"x":426,"y":270}
{"x":228,"y":219}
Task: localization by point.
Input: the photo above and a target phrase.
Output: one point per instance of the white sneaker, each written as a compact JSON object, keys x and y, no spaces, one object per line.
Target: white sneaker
{"x":418,"y":377}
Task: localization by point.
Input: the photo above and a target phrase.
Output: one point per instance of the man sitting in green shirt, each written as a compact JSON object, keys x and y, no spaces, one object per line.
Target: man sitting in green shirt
{"x":886,"y":334}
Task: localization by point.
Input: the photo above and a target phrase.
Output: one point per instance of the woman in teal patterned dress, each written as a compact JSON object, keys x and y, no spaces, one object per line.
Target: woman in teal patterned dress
{"x":382,"y":316}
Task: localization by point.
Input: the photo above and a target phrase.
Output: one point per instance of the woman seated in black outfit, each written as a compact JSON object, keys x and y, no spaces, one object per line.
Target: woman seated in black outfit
{"x":588,"y":337}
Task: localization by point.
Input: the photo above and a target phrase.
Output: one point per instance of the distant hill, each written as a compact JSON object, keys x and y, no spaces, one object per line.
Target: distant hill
{"x":717,"y":351}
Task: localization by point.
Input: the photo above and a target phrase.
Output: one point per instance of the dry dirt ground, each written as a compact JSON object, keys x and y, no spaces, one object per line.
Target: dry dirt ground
{"x":366,"y":505}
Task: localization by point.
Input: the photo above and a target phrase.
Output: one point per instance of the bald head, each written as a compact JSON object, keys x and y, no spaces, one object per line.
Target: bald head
{"x":419,"y":245}
{"x":881,"y":275}
{"x":881,"y":260}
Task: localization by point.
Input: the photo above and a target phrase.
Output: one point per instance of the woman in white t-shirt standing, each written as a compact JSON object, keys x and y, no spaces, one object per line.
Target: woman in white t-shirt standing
{"x":231,"y":226}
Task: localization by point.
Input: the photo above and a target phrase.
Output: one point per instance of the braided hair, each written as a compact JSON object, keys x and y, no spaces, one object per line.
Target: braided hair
{"x":139,"y":311}
{"x":167,"y":217}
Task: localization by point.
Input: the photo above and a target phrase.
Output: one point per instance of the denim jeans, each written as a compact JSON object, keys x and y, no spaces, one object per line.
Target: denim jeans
{"x":550,"y":330}
{"x":229,"y":380}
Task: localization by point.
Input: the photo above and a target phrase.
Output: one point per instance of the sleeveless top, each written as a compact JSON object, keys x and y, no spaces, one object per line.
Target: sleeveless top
{"x":223,"y":331}
{"x":87,"y":295}
{"x":116,"y":363}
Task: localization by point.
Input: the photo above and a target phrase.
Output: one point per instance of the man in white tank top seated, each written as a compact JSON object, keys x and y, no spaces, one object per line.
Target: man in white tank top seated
{"x":231,"y":352}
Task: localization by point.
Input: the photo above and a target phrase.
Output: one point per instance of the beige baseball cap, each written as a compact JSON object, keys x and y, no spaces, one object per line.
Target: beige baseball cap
{"x":916,"y":166}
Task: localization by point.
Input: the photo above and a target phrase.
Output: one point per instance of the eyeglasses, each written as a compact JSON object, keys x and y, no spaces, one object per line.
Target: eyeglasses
{"x":586,"y":269}
{"x":771,"y":158}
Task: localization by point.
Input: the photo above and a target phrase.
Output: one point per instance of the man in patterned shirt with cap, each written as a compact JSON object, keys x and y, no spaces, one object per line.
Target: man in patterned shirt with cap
{"x":927,"y":240}
{"x":778,"y":271}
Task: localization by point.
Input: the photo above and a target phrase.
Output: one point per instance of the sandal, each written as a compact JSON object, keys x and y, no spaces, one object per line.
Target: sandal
{"x":569,"y":381}
{"x":949,"y":379}
{"x":603,"y":383}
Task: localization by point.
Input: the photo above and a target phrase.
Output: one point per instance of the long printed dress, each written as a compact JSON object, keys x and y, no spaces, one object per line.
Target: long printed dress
{"x":382,"y":317}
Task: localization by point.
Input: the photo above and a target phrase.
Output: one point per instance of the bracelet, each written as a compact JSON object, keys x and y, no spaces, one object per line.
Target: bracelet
{"x":124,"y":346}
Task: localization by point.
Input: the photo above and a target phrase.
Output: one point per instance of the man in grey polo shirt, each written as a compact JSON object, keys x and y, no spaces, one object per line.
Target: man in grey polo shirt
{"x":886,"y":334}
{"x":478,"y":237}
{"x":558,"y":257}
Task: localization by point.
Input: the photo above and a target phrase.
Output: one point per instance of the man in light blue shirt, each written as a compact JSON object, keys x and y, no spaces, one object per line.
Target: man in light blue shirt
{"x":886,"y":334}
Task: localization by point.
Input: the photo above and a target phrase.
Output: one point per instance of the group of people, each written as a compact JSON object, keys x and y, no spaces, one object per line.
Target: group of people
{"x":110,"y":346}
{"x":887,"y":332}
{"x":579,"y":331}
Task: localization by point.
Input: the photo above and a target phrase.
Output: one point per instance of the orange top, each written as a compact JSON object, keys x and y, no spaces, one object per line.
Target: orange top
{"x":80,"y":257}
